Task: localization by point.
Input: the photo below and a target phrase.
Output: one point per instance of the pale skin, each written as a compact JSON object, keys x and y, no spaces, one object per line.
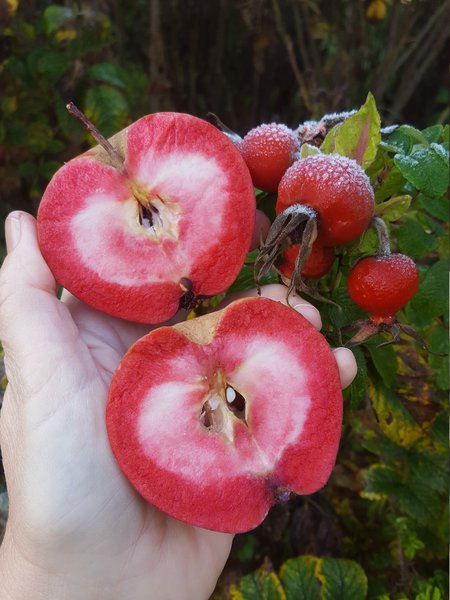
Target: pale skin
{"x":76,"y":529}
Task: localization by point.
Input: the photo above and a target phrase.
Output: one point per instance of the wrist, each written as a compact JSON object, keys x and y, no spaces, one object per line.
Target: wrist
{"x":21,"y":579}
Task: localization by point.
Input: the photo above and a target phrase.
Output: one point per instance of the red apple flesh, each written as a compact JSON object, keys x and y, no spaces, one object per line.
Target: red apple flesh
{"x":178,"y":218}
{"x":216,"y":419}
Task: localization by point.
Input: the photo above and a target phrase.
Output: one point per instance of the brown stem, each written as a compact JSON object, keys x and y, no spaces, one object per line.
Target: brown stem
{"x":116,"y":159}
{"x":384,"y":247}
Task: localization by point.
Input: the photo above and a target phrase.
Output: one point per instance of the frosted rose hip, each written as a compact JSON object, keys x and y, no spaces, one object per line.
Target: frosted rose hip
{"x":337,"y":188}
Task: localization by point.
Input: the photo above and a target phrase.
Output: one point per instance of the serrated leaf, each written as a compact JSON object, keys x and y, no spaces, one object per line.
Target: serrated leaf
{"x":393,"y":209}
{"x":419,"y":501}
{"x":262,"y":584}
{"x":426,"y":168}
{"x":429,"y":467}
{"x":394,"y":419}
{"x":381,"y":482}
{"x":107,"y":73}
{"x":403,"y":138}
{"x":438,"y":207}
{"x":341,"y":579}
{"x":297,"y":576}
{"x":358,"y":136}
{"x":414,"y":241}
{"x":431,"y":301}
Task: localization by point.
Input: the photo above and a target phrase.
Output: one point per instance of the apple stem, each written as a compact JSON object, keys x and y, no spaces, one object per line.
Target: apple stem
{"x":116,"y":159}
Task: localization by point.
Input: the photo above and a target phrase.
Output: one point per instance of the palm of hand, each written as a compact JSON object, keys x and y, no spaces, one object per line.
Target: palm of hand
{"x":75,"y":489}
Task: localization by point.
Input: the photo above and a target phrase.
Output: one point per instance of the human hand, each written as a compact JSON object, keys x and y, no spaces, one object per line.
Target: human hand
{"x":76,"y":528}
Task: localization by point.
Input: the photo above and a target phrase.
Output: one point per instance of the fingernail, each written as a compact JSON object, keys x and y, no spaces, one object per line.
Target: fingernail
{"x":12,"y":231}
{"x":343,"y":351}
{"x":310,"y":313}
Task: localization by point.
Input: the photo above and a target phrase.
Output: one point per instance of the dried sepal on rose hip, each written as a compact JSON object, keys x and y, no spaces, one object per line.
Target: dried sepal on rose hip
{"x":318,"y":264}
{"x":323,"y":196}
{"x":158,"y":215}
{"x":382,"y":285}
{"x":216,"y":419}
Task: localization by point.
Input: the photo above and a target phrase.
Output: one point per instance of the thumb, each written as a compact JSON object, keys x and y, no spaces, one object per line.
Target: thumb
{"x":32,"y":319}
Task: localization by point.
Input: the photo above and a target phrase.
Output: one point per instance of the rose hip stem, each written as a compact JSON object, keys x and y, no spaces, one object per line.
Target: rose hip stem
{"x":384,"y":246}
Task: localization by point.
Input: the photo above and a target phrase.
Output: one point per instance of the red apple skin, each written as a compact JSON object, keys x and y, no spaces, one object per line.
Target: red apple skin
{"x":288,"y":376}
{"x":88,"y":219}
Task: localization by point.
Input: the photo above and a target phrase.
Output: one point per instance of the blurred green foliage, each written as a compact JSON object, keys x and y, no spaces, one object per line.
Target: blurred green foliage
{"x":379,"y":529}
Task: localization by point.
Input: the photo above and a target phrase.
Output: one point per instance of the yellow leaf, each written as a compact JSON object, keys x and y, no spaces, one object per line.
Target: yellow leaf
{"x":376,"y":11}
{"x":66,"y":35}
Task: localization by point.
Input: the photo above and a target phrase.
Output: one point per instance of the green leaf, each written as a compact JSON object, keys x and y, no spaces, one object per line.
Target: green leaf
{"x":392,"y":184}
{"x":107,"y":108}
{"x":430,"y":467}
{"x":385,"y":362}
{"x":403,"y":138}
{"x":434,"y":133}
{"x":308,"y":150}
{"x":438,"y":207}
{"x":438,"y":342}
{"x":430,"y":593}
{"x":262,"y":584}
{"x":107,"y":73}
{"x":393,"y":209}
{"x":341,"y":579}
{"x":381,"y":482}
{"x":408,"y":536}
{"x":358,"y":388}
{"x":358,"y":136}
{"x":245,"y":280}
{"x":297,"y":576}
{"x":420,"y":501}
{"x":52,"y":65}
{"x":394,"y":419}
{"x":54,"y":16}
{"x":431,"y":301}
{"x":426,"y":169}
{"x":414,"y":241}
{"x":440,"y":430}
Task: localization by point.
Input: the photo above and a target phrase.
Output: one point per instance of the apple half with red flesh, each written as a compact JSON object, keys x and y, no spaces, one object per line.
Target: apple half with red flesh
{"x":175,"y":218}
{"x":216,"y":419}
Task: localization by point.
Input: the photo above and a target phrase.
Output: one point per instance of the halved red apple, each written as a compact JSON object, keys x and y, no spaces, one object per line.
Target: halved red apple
{"x":175,"y":218}
{"x":216,"y":419}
